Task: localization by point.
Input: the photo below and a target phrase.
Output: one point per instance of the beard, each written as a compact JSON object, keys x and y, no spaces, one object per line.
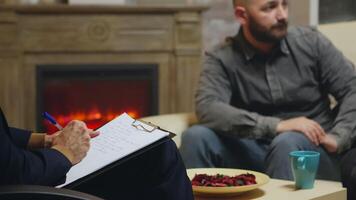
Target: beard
{"x":272,"y":35}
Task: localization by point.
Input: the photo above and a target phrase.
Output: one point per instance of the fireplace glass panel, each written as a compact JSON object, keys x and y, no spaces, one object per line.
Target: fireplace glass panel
{"x":95,"y":94}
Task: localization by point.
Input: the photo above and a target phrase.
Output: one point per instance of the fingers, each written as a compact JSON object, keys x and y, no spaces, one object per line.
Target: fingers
{"x":94,"y":134}
{"x":323,"y":139}
{"x":76,"y":124}
{"x":76,"y":138}
{"x":314,"y":134}
{"x":310,"y":128}
{"x":81,"y":128}
{"x":313,"y":131}
{"x":318,"y":131}
{"x":330,"y":143}
{"x":312,"y":137}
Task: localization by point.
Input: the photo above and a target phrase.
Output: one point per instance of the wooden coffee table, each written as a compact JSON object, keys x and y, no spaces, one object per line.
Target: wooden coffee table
{"x":284,"y":190}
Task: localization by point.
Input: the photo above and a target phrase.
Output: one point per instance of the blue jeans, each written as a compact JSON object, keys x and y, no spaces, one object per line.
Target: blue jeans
{"x":202,"y":147}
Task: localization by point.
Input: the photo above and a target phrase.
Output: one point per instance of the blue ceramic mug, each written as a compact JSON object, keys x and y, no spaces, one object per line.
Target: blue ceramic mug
{"x":304,"y":167}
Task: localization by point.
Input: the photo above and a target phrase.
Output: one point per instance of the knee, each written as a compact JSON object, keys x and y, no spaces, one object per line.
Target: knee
{"x":197,"y":138}
{"x":291,"y":141}
{"x":196,"y":133}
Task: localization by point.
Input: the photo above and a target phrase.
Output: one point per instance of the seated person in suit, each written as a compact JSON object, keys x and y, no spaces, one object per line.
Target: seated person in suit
{"x":33,"y":158}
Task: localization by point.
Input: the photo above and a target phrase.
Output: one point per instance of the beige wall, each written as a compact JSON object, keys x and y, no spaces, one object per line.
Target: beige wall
{"x":219,"y":21}
{"x":299,"y":12}
{"x":343,"y":35}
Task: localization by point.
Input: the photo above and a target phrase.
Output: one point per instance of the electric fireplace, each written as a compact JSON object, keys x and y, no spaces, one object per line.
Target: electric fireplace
{"x":95,"y":94}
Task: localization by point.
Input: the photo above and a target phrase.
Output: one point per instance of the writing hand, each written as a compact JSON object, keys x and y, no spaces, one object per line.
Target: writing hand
{"x":48,"y":138}
{"x":73,"y":141}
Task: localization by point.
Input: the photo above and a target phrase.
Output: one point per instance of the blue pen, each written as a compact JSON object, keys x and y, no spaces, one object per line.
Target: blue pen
{"x":52,"y":120}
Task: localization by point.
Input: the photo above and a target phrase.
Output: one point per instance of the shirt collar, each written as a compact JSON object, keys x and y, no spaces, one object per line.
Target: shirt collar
{"x":249,"y":51}
{"x":284,"y":47}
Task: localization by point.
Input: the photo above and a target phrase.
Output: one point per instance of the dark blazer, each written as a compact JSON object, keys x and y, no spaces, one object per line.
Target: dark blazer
{"x":348,"y":173}
{"x":158,"y":173}
{"x":19,"y":165}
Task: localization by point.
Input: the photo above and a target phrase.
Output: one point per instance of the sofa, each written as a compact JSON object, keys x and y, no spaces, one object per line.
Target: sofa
{"x":175,"y":123}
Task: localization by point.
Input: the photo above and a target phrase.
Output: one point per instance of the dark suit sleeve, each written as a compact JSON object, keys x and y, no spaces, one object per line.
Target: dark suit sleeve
{"x":21,"y":166}
{"x":20,"y":137}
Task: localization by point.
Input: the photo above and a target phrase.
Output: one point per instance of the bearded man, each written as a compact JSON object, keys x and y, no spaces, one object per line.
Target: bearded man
{"x":266,"y":92}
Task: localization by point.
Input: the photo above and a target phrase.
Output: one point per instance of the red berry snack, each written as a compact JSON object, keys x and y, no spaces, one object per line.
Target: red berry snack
{"x":220,"y":180}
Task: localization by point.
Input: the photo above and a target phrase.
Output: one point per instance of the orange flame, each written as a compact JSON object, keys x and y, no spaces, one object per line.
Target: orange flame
{"x":94,"y":118}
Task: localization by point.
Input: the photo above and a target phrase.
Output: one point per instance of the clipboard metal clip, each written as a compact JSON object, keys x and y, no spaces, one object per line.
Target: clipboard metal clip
{"x":144,"y":126}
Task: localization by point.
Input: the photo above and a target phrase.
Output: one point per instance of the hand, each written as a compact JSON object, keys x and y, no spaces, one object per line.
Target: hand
{"x":311,"y":129}
{"x":48,"y":138}
{"x":329,"y":143}
{"x":73,"y":141}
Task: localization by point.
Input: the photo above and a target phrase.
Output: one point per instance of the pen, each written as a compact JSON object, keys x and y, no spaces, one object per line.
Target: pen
{"x":51,"y":119}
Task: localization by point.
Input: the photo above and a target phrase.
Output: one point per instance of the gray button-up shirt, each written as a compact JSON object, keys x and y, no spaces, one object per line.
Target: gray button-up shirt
{"x":245,"y":93}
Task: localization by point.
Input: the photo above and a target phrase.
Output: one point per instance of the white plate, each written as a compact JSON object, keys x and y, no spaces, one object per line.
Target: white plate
{"x":261,"y":179}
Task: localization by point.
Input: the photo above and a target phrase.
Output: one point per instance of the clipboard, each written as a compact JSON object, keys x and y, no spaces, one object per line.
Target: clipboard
{"x":146,"y":128}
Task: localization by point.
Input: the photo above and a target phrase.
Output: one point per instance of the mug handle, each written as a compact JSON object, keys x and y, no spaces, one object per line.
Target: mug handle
{"x":301,"y":163}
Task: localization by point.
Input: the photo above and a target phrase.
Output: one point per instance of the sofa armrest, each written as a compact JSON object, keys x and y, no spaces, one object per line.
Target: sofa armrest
{"x":176,"y":123}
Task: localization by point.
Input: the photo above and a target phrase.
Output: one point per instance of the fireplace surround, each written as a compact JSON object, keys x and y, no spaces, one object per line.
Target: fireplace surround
{"x":63,"y":35}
